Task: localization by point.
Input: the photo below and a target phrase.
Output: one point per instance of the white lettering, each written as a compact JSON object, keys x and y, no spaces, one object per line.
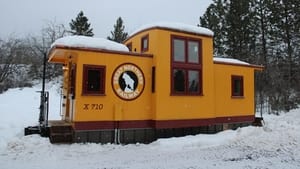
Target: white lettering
{"x":128,"y":95}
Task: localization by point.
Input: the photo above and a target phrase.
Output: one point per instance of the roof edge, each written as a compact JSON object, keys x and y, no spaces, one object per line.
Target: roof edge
{"x":209,"y":33}
{"x":97,"y":50}
{"x":256,"y":67}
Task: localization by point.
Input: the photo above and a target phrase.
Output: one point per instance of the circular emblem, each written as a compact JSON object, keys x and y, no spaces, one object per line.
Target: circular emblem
{"x":128,"y":81}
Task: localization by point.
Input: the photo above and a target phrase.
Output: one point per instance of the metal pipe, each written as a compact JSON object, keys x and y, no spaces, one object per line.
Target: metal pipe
{"x":44,"y":72}
{"x":116,"y":135}
{"x":42,"y":102}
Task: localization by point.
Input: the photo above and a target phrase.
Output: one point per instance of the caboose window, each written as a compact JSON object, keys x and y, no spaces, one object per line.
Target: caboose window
{"x":93,"y":83}
{"x":186,"y":66}
{"x":179,"y":79}
{"x":179,"y":50}
{"x":145,"y":43}
{"x":93,"y":80}
{"x":193,"y":80}
{"x":193,"y":52}
{"x":237,"y":86}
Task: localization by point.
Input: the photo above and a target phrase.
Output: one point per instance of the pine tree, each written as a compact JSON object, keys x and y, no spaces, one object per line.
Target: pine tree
{"x":214,"y":19}
{"x":238,"y":30}
{"x":285,"y":41}
{"x":80,"y":26}
{"x":259,"y":48}
{"x":118,"y":34}
{"x":263,"y":32}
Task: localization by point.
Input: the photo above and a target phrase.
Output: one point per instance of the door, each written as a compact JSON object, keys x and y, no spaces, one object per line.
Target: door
{"x":69,"y":92}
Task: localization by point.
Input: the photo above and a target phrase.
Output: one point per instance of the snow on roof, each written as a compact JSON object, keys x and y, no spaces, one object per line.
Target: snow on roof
{"x":230,"y":61}
{"x":90,"y":42}
{"x":176,"y":26}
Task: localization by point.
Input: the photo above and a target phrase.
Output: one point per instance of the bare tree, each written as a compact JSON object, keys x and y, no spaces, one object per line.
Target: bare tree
{"x":40,"y":46}
{"x":21,"y":60}
{"x":10,"y":62}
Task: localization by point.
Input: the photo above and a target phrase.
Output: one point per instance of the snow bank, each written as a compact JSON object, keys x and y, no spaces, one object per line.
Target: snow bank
{"x":176,"y":26}
{"x":276,"y":145}
{"x":19,"y":108}
{"x":90,"y":42}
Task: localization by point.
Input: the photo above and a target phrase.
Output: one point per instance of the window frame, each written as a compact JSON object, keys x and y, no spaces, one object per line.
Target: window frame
{"x":145,"y":49}
{"x":153,"y":77}
{"x":239,"y":94}
{"x":186,"y":66}
{"x":102,"y":70}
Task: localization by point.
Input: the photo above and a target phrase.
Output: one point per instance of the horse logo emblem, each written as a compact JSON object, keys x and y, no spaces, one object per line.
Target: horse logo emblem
{"x":128,"y":81}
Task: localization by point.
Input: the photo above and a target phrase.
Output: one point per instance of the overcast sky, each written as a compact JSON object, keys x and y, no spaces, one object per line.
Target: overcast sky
{"x":22,"y":17}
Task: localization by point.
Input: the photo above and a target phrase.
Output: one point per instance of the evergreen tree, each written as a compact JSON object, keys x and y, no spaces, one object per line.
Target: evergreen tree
{"x":284,"y":42}
{"x":80,"y":26}
{"x":259,"y":44}
{"x":262,"y":32}
{"x":214,"y":19}
{"x":238,"y":30}
{"x":118,"y":34}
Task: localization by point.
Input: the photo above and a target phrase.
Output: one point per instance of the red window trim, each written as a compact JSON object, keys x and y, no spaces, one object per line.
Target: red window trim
{"x":186,"y":92}
{"x":153,"y":73}
{"x":186,"y":66}
{"x":186,"y":40}
{"x":102,"y":70}
{"x":142,"y":43}
{"x":241,"y":93}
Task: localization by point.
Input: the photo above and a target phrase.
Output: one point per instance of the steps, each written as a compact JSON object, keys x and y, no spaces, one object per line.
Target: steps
{"x":259,"y":121}
{"x":61,"y":133}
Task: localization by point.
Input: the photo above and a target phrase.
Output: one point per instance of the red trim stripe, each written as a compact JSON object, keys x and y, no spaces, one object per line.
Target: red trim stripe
{"x":183,"y":123}
{"x":159,"y":124}
{"x":234,"y":119}
{"x":94,"y":125}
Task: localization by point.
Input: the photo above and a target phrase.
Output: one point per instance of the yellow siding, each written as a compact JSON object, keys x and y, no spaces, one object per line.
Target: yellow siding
{"x":225,"y":104}
{"x":114,"y":108}
{"x":178,"y":107}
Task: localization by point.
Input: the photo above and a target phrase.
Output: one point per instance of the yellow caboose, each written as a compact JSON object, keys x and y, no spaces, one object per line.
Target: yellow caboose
{"x":162,"y":82}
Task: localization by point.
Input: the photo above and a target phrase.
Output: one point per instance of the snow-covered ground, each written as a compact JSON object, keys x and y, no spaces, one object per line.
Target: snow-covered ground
{"x":276,"y":145}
